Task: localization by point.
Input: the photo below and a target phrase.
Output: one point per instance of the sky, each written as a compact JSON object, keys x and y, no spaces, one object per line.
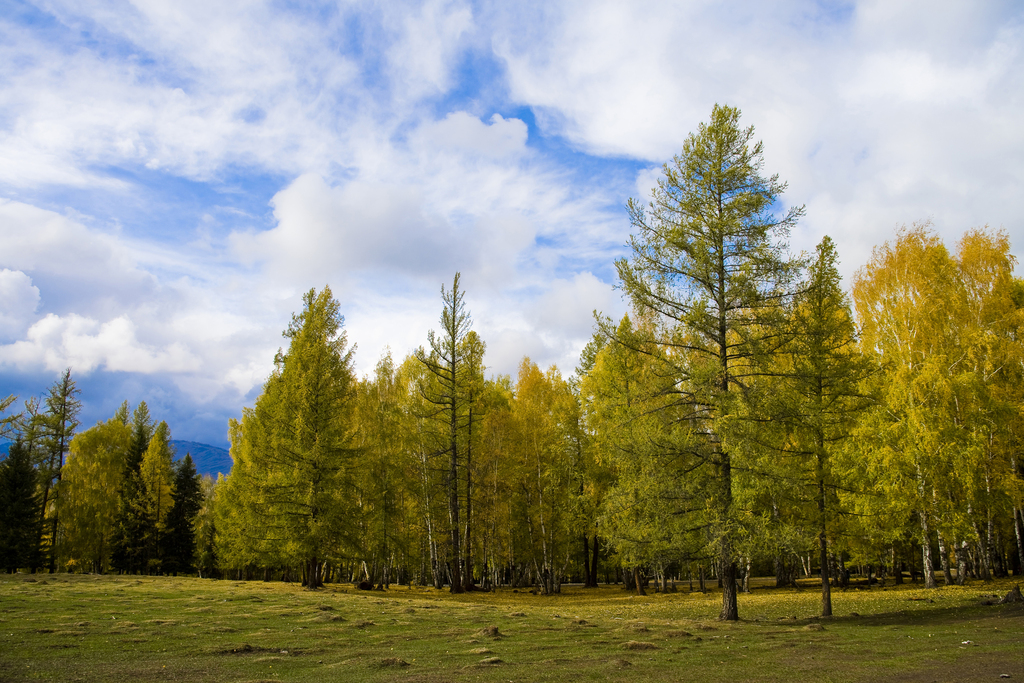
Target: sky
{"x":174,"y":175}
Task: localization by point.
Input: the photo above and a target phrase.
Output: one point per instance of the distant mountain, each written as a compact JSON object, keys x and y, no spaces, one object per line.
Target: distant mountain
{"x":208,"y":459}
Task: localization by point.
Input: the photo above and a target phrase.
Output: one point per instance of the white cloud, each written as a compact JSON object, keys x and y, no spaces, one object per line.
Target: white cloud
{"x":18,"y":301}
{"x":646,"y":183}
{"x":114,"y":304}
{"x":324,"y":232}
{"x":463,"y":132}
{"x":410,"y":140}
{"x":886,"y":113}
{"x":566,"y":308}
{"x":55,"y":343}
{"x":428,"y":40}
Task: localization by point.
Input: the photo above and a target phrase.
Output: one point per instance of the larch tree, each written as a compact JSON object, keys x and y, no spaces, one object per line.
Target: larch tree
{"x":710,"y":263}
{"x":59,"y":424}
{"x":824,"y":392}
{"x":388,"y":470}
{"x":8,"y":423}
{"x":591,"y":476}
{"x":206,"y":528}
{"x":296,"y":446}
{"x":627,"y":414}
{"x":157,"y":471}
{"x":446,"y":361}
{"x":475,"y":409}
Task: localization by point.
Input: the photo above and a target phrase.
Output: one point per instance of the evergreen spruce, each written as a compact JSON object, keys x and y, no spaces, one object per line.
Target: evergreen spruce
{"x":180,"y":540}
{"x":134,"y":524}
{"x":19,"y":510}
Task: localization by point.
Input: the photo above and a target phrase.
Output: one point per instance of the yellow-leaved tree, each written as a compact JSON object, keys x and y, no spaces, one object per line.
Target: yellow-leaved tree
{"x":87,"y":506}
{"x":939,"y":327}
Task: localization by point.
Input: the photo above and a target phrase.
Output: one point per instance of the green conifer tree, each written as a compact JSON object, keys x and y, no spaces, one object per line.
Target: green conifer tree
{"x":19,"y":510}
{"x":180,"y":546}
{"x":134,"y":524}
{"x":824,"y":390}
{"x":709,"y":265}
{"x":291,"y":494}
{"x":59,"y":423}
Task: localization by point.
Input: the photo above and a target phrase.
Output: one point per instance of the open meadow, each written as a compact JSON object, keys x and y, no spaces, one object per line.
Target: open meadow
{"x":125,"y":628}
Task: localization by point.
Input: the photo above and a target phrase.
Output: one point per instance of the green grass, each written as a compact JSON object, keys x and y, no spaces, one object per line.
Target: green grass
{"x":108,"y":628}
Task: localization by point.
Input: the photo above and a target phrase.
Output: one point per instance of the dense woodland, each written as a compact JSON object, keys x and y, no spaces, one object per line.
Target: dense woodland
{"x":747,"y":417}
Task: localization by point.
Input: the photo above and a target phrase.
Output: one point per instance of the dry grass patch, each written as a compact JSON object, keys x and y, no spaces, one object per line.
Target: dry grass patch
{"x":332,"y":618}
{"x":390,"y":663}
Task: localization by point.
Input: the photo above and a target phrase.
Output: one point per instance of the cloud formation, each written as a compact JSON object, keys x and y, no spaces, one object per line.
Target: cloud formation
{"x":174,"y":175}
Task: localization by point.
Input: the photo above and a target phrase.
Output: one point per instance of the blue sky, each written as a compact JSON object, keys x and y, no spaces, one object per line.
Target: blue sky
{"x":174,"y":175}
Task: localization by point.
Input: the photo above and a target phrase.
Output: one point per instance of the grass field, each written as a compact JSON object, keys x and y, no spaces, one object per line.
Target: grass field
{"x":109,"y":628}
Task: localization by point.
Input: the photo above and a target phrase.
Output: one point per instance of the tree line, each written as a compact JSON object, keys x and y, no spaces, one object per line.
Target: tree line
{"x":747,"y":416}
{"x":110,"y":497}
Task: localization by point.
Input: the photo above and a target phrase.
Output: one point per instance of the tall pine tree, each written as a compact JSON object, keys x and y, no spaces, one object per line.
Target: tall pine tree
{"x":448,"y":361}
{"x":59,"y":423}
{"x":134,"y":525}
{"x":824,"y":394}
{"x":19,"y":510}
{"x":180,"y":534}
{"x":291,"y":489}
{"x":709,"y":264}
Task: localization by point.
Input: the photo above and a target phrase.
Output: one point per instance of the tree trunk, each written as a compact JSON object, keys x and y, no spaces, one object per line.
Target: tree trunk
{"x":947,"y":574}
{"x":586,"y":562}
{"x":826,"y":589}
{"x":1018,"y":528}
{"x":453,"y":512}
{"x":636,"y":579}
{"x":897,"y":567}
{"x":986,"y":573}
{"x":730,"y":605}
{"x":727,"y":563}
{"x":926,"y":553}
{"x":467,"y":579}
